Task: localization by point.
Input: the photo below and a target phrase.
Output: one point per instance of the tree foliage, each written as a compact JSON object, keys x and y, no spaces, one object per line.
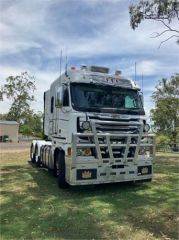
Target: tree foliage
{"x":20,"y":90}
{"x":165,"y":11}
{"x":163,"y":139}
{"x":3,"y":116}
{"x":32,"y":124}
{"x":166,"y":113}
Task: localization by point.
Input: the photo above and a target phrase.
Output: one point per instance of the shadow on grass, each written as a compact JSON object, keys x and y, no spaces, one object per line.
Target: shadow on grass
{"x":34,"y":207}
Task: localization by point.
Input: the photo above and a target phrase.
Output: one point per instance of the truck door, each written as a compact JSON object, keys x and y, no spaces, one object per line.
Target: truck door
{"x":62,"y":108}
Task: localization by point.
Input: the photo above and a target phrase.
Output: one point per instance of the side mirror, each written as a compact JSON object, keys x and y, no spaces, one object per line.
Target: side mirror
{"x":59,"y":97}
{"x":141,"y":98}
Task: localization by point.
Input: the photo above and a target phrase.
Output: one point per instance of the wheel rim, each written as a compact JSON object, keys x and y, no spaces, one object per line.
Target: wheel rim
{"x":36,"y":155}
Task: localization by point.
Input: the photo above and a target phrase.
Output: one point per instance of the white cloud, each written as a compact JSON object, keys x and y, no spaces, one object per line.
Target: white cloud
{"x":145,"y":68}
{"x":34,"y":32}
{"x":42,"y":81}
{"x":148,"y":67}
{"x":30,"y":24}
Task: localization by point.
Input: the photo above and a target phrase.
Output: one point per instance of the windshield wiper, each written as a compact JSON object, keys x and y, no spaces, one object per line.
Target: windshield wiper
{"x":135,"y":108}
{"x":111,"y":110}
{"x":96,"y":109}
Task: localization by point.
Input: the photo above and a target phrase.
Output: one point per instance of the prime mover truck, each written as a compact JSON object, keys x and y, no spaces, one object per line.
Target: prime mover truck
{"x":95,"y":129}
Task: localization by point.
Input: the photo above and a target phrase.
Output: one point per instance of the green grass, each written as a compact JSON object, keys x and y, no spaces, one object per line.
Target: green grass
{"x":33,"y":207}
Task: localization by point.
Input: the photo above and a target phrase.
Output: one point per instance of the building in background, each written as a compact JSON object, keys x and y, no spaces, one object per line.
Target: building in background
{"x":9,"y":131}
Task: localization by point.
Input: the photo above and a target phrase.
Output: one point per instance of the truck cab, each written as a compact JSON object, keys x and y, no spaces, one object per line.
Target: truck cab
{"x":95,"y":129}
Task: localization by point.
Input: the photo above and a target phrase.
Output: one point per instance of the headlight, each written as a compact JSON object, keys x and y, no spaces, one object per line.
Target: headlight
{"x":84,"y":152}
{"x":146,"y":127}
{"x":86,"y":125}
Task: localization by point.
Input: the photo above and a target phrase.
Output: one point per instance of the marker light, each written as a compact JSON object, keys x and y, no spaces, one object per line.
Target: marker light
{"x":84,"y":152}
{"x":83,"y":67}
{"x":69,"y":151}
{"x":118,"y":73}
{"x":73,"y":68}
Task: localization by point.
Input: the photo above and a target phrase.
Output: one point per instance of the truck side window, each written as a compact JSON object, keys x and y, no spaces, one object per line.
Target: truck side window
{"x":66,"y":98}
{"x":52,"y":104}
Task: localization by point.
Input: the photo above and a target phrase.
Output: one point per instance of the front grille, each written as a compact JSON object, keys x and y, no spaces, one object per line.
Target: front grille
{"x":113,"y":141}
{"x":126,"y":126}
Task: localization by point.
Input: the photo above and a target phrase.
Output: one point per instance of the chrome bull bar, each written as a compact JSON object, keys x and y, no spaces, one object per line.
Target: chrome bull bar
{"x":109,"y":144}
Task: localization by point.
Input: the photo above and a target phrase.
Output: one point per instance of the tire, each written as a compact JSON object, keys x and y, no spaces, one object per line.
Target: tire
{"x":32,"y":155}
{"x":41,"y":156}
{"x":60,"y":170}
{"x":55,"y":171}
{"x":38,"y":161}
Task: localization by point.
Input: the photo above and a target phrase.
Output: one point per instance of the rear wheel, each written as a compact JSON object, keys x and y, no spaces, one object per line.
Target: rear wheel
{"x":42,"y":156}
{"x":60,"y":170}
{"x":37,"y":158}
{"x":38,"y":162}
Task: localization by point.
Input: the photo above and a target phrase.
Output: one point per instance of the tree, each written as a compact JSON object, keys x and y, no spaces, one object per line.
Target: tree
{"x":3,"y":116}
{"x":165,"y":115}
{"x":20,"y":90}
{"x":32,"y":124}
{"x":164,"y":11}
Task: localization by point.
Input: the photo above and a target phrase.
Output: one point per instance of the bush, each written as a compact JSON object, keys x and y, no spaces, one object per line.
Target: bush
{"x":163,"y":140}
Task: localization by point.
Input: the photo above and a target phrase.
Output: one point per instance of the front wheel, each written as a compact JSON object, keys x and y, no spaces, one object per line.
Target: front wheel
{"x":60,"y":170}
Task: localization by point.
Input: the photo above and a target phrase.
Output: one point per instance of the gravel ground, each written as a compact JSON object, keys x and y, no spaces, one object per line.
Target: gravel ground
{"x":14,"y":147}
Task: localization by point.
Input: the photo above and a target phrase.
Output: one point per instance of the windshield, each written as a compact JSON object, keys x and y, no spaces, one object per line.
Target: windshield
{"x":104,"y":98}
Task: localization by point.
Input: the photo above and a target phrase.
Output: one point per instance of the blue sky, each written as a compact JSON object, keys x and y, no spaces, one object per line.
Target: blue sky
{"x":32,"y":34}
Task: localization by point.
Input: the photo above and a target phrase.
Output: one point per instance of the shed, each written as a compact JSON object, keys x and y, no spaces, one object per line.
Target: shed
{"x":9,"y":131}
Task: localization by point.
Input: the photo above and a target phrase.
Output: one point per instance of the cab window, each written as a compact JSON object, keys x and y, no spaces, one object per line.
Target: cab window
{"x":66,"y":98}
{"x":52,"y":104}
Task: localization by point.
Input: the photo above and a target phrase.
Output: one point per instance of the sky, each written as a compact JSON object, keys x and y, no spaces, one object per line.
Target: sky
{"x":91,"y":32}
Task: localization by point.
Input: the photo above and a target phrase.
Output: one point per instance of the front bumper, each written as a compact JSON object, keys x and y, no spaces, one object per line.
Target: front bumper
{"x":112,"y":167}
{"x":86,"y":176}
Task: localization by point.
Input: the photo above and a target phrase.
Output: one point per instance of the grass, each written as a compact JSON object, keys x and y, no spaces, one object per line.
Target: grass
{"x":33,"y":207}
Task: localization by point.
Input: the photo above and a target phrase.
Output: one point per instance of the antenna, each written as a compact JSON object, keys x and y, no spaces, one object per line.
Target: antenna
{"x":66,"y":64}
{"x":135,"y":71}
{"x":60,"y":62}
{"x":142,"y":81}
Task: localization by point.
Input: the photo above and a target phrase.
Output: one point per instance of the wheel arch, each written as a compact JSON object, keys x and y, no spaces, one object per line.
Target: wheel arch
{"x":57,"y":150}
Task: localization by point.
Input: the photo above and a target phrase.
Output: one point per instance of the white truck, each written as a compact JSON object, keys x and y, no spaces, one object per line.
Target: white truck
{"x":95,"y":129}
